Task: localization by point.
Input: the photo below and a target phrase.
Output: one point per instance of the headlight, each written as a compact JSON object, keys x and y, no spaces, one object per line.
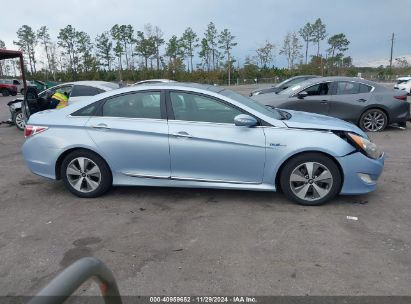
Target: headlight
{"x":367,"y":147}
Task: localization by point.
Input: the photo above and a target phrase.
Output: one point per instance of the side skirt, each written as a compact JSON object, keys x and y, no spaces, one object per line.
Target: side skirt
{"x":130,"y":179}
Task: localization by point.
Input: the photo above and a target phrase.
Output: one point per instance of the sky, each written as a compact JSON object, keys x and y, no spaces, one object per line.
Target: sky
{"x":368,"y":24}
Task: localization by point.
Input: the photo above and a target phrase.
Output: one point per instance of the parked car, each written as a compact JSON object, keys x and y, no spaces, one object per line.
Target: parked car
{"x":18,"y":83}
{"x":283,"y":85}
{"x":151,"y":81}
{"x":403,"y":83}
{"x":367,"y":104}
{"x":75,"y":90}
{"x":7,"y":88}
{"x":190,"y":135}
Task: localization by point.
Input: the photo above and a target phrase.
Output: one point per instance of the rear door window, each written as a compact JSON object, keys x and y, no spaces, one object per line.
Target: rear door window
{"x":83,"y":90}
{"x":134,"y":105}
{"x":347,"y":87}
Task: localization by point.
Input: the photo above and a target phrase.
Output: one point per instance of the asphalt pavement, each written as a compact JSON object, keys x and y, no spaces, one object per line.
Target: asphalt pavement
{"x":207,"y":242}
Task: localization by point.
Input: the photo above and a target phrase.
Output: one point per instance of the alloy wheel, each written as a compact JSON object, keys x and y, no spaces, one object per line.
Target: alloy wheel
{"x":374,"y":121}
{"x":19,"y":121}
{"x":83,"y":174}
{"x":311,"y":181}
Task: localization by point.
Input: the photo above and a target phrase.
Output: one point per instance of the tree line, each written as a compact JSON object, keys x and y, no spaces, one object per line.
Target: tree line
{"x":126,"y":53}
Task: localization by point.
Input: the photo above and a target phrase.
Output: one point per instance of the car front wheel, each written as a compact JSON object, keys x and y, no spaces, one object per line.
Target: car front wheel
{"x":5,"y":92}
{"x":19,"y":120}
{"x":310,"y":179}
{"x":86,"y":174}
{"x":373,"y":120}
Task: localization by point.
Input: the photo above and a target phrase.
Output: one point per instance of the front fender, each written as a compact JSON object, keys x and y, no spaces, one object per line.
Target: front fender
{"x":284,"y":143}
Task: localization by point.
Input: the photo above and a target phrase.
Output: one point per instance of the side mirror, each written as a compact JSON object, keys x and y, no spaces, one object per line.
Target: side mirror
{"x":302,"y":94}
{"x":244,"y":120}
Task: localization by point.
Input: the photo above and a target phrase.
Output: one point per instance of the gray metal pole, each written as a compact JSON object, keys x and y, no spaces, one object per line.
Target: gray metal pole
{"x":392,"y":49}
{"x":67,"y":282}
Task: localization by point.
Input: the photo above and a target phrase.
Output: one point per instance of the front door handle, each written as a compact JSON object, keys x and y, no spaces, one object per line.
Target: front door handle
{"x":324,"y":102}
{"x":181,"y":134}
{"x":362,"y":100}
{"x":100,"y":126}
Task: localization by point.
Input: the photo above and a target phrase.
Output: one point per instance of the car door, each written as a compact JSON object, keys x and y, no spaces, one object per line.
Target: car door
{"x":316,"y":100}
{"x":348,"y":100}
{"x":131,"y":131}
{"x":206,"y":146}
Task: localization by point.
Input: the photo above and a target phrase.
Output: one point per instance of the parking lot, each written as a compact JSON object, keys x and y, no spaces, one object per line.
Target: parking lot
{"x":207,"y":242}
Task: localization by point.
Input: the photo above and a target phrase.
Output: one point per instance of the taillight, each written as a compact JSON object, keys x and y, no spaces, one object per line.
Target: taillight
{"x":30,"y":130}
{"x":402,"y":97}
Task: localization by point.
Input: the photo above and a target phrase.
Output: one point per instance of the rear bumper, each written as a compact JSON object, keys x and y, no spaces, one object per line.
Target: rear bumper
{"x":40,"y":159}
{"x":355,"y":164}
{"x":401,"y":113}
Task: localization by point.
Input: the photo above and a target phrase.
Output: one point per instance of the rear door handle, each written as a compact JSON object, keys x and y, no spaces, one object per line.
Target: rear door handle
{"x":362,"y":100}
{"x":100,"y":126}
{"x":181,"y":134}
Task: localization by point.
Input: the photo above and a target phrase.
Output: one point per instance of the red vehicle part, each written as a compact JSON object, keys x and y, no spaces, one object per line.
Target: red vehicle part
{"x":9,"y":54}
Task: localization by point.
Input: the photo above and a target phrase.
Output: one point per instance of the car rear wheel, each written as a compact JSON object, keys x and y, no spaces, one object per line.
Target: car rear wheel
{"x":373,"y":120}
{"x":5,"y":92}
{"x":19,"y":120}
{"x":310,"y":179}
{"x":86,"y":174}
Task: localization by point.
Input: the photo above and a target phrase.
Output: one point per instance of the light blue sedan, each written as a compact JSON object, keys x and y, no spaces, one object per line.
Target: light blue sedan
{"x":190,"y":135}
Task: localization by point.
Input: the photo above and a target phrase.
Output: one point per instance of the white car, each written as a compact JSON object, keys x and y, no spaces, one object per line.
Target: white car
{"x":403,"y":83}
{"x":153,"y":81}
{"x":75,"y":91}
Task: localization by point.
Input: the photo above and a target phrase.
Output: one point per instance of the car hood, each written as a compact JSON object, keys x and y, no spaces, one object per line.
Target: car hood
{"x":266,"y":90}
{"x":272,"y":99}
{"x":305,"y":120}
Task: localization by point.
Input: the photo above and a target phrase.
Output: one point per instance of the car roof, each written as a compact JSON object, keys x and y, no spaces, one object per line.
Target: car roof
{"x":153,"y":81}
{"x":304,"y":76}
{"x":104,"y":85}
{"x":183,"y":86}
{"x":404,"y":78}
{"x":341,"y":78}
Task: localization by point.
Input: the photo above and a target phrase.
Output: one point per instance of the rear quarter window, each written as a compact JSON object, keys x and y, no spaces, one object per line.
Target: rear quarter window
{"x":89,"y":110}
{"x":365,"y":88}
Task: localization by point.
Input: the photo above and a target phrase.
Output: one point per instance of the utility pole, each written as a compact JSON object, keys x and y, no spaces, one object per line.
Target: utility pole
{"x":392,"y":48}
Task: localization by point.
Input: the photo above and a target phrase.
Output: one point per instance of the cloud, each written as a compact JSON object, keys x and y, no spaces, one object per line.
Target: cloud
{"x":368,"y":24}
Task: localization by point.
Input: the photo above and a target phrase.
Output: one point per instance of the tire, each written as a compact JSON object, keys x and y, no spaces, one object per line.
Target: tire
{"x":310,"y":179}
{"x":18,"y":120}
{"x":14,"y":94}
{"x":373,"y":120}
{"x":90,"y":182}
{"x":5,"y":92}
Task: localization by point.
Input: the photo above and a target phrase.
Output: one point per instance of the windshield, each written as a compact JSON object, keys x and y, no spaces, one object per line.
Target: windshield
{"x":252,"y":104}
